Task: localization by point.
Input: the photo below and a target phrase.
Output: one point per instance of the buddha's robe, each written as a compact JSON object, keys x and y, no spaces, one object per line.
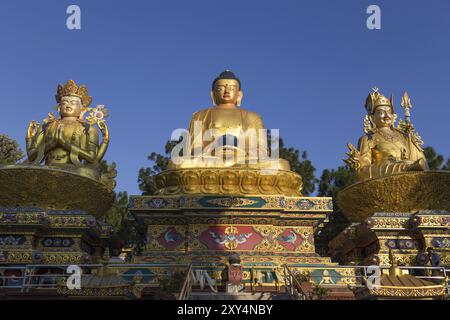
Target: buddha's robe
{"x":383,"y":155}
{"x":238,"y":130}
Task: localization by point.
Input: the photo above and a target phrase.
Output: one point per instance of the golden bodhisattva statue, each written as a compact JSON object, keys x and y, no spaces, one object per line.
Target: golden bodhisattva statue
{"x":63,"y":170}
{"x":386,"y":149}
{"x":70,"y":140}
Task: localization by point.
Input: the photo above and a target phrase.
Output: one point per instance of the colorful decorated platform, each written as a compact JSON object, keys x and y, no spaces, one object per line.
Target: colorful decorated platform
{"x":36,"y":236}
{"x":208,"y":228}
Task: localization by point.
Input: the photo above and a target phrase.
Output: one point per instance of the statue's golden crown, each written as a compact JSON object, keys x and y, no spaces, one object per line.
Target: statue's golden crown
{"x":72,"y":89}
{"x":376,"y":99}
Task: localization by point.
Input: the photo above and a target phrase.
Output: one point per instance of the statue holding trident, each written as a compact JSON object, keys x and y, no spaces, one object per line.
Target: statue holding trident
{"x":386,"y":149}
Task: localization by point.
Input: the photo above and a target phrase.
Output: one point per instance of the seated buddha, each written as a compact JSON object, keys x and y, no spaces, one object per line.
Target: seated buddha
{"x":226,"y":135}
{"x":70,"y":141}
{"x":385,"y":149}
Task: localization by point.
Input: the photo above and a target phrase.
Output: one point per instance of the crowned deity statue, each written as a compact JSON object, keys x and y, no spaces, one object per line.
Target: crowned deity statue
{"x":70,"y":142}
{"x":227,"y":130}
{"x":386,"y":149}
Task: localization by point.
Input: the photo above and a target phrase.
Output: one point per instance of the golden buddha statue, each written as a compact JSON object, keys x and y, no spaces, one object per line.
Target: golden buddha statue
{"x":70,"y":141}
{"x":386,"y":149}
{"x":228,"y":132}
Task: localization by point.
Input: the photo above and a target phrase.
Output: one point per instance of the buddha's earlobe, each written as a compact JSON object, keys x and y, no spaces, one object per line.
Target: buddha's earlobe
{"x":213,"y":97}
{"x":239,"y":99}
{"x":372,"y":121}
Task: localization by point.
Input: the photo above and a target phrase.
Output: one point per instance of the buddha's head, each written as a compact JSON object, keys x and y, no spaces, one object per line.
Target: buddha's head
{"x":226,"y":90}
{"x":73,"y":100}
{"x":380,"y":109}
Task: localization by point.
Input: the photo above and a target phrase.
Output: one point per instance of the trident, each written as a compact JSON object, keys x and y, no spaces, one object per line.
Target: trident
{"x":406,"y":104}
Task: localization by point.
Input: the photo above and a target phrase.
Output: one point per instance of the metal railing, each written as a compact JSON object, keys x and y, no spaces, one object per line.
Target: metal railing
{"x":436,"y":275}
{"x":25,"y":278}
{"x":361,"y":272}
{"x":432,"y":274}
{"x":29,"y":276}
{"x":261,"y":276}
{"x":293,"y":286}
{"x":186,"y":289}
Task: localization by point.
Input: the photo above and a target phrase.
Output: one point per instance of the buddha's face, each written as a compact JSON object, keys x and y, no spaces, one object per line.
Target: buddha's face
{"x":70,"y":106}
{"x":227,"y":91}
{"x":383,"y":117}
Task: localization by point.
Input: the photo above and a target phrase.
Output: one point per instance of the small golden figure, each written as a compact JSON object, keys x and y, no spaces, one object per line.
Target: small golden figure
{"x":386,"y":149}
{"x":71,"y":140}
{"x":326,"y":278}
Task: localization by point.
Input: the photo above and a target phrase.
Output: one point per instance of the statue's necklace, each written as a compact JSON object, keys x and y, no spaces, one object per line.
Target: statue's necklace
{"x":388,"y":137}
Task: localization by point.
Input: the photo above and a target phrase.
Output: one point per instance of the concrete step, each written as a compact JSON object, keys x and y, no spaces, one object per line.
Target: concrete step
{"x":239,"y":296}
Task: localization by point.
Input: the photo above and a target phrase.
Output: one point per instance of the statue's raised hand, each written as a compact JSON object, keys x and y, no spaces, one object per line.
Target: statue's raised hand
{"x":104,"y":129}
{"x":60,"y":140}
{"x":354,"y":157}
{"x":32,"y":129}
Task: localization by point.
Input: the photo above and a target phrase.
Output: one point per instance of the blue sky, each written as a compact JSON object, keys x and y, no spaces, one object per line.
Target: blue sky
{"x":305,"y":66}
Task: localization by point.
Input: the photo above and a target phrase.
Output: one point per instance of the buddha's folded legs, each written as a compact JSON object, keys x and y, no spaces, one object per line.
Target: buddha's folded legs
{"x":386,"y":169}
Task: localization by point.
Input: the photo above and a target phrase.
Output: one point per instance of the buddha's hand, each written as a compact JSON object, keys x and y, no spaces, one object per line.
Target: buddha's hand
{"x":354,"y":157}
{"x":32,"y":129}
{"x":104,"y":129}
{"x":60,"y":138}
{"x":51,"y":140}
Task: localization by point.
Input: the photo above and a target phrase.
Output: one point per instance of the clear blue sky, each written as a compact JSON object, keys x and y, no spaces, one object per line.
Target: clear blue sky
{"x":306,"y":67}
